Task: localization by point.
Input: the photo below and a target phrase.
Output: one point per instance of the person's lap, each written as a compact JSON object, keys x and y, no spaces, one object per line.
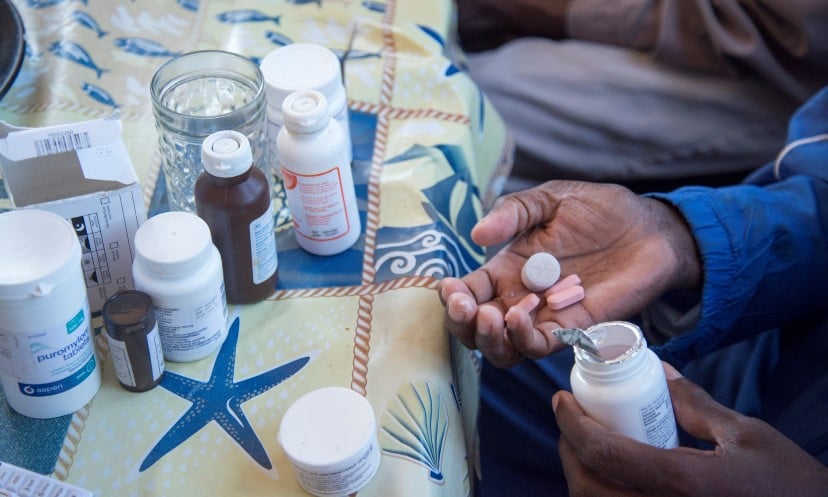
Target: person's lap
{"x":580,"y":110}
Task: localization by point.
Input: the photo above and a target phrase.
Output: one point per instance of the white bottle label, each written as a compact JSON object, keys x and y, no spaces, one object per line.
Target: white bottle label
{"x":190,"y":328}
{"x":263,"y":247}
{"x":50,"y":361}
{"x":318,"y":204}
{"x":120,"y":359}
{"x":659,"y":422}
{"x":124,"y":370}
{"x":157,"y":354}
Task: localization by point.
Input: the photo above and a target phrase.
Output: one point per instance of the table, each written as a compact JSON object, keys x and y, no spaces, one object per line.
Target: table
{"x":430,"y":155}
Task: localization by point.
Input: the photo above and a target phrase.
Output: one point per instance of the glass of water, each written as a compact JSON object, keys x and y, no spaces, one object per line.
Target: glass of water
{"x":195,"y":95}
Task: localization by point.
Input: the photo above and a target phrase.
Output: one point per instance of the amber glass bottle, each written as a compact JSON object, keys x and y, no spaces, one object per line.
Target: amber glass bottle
{"x":233,"y":198}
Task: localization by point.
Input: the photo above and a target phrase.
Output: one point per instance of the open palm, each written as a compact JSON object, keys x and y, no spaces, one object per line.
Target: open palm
{"x":627,"y":250}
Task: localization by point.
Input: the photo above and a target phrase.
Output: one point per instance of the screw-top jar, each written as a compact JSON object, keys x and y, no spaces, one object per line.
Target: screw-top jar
{"x":625,"y":389}
{"x":177,"y":264}
{"x":317,"y":175}
{"x":134,"y":341}
{"x":330,"y":437}
{"x":48,"y":366}
{"x":232,"y":198}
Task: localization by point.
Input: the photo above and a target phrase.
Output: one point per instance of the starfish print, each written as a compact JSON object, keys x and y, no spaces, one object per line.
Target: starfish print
{"x":219,"y":399}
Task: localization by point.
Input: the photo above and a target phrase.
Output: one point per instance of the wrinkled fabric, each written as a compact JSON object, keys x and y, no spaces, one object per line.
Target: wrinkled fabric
{"x":764,"y":245}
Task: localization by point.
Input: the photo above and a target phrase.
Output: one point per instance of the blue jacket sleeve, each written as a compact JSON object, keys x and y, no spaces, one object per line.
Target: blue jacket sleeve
{"x":764,"y":246}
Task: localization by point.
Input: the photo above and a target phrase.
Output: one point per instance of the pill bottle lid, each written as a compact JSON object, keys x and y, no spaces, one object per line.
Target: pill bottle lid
{"x":620,"y":350}
{"x":173,"y":243}
{"x":39,"y":251}
{"x":128,"y":311}
{"x":226,"y":154}
{"x":327,"y":427}
{"x":305,"y":111}
{"x":301,"y":66}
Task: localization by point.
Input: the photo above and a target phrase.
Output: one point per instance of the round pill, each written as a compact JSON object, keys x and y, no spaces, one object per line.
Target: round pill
{"x":540,"y":272}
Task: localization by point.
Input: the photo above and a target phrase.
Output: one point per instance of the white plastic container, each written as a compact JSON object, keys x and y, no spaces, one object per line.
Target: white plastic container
{"x":330,"y":437}
{"x":48,"y":365}
{"x":316,"y":171}
{"x":177,"y":264}
{"x":303,"y":66}
{"x":626,"y":391}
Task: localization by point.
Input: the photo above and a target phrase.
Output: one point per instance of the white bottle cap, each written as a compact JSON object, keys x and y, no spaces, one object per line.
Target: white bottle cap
{"x":305,"y":111}
{"x":173,"y":243}
{"x":39,"y":250}
{"x":301,"y":66}
{"x":226,"y":154}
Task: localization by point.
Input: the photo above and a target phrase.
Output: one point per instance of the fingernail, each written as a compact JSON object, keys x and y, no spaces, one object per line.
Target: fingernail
{"x":670,"y":372}
{"x":555,"y":401}
{"x":459,"y":306}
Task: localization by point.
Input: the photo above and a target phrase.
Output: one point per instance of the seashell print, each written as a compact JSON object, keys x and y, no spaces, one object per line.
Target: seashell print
{"x":414,"y":427}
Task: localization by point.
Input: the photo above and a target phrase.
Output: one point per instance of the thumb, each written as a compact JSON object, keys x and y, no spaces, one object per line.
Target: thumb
{"x":696,"y":411}
{"x":517,"y":212}
{"x":499,"y":225}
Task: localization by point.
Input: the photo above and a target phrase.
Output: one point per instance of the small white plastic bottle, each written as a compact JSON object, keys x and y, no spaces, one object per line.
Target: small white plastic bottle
{"x":303,"y":66}
{"x":177,"y":264}
{"x":625,"y":389}
{"x":316,"y":171}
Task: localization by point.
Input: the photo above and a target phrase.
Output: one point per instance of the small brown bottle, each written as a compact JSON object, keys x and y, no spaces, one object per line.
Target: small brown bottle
{"x":134,"y":341}
{"x":233,"y":198}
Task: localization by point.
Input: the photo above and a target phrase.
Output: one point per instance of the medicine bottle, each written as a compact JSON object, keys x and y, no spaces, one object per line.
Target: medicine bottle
{"x":134,"y":341}
{"x":330,"y":437}
{"x":625,"y":389}
{"x":317,"y":175}
{"x":48,"y":365}
{"x":233,"y":198}
{"x":177,"y":264}
{"x":303,"y":66}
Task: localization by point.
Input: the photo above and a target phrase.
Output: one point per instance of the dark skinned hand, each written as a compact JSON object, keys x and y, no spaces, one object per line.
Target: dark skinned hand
{"x":627,"y":249}
{"x":749,"y":457}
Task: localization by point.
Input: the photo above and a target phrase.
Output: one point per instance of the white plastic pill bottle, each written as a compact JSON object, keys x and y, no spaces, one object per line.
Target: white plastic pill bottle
{"x":177,"y":264}
{"x":48,"y":365}
{"x":330,"y":437}
{"x":316,"y":171}
{"x":303,"y":66}
{"x":626,"y":389}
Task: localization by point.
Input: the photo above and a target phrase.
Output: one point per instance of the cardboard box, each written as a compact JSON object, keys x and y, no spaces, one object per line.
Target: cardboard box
{"x":82,"y":172}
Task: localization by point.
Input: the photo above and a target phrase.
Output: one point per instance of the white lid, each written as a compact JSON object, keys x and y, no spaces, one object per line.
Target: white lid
{"x":226,"y":154}
{"x":301,"y":66}
{"x":305,"y":111}
{"x":173,"y":243}
{"x":39,"y":250}
{"x":327,"y":427}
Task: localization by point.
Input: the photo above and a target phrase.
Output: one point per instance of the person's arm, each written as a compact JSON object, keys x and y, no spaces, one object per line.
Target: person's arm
{"x":783,"y":41}
{"x":764,"y":249}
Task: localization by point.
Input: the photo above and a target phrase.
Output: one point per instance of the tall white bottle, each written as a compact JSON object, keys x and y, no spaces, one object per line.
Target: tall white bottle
{"x":316,"y":170}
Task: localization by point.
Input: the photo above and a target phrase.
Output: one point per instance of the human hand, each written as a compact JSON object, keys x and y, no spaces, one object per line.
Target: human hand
{"x":626,"y":249}
{"x":749,"y":458}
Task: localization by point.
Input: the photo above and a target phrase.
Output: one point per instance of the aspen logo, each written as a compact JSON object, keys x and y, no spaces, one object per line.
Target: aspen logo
{"x":289,"y":179}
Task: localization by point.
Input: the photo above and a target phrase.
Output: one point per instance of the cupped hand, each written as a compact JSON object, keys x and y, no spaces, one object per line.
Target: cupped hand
{"x":749,"y":457}
{"x":626,"y":249}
